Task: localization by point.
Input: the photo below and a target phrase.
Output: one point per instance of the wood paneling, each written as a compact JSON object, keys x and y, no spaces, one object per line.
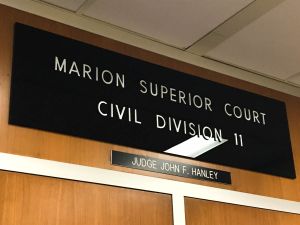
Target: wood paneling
{"x":201,"y":212}
{"x":34,"y":200}
{"x":40,"y":144}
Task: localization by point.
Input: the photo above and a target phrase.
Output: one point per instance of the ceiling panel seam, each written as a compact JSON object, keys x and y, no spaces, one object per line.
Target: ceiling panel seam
{"x":219,"y":25}
{"x":254,"y":72}
{"x":84,"y":5}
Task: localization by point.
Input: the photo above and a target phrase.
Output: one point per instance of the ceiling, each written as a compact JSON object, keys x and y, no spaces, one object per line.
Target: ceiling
{"x":178,"y":23}
{"x":260,"y":36}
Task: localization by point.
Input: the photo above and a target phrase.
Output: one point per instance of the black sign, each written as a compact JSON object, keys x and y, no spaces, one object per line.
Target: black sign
{"x":169,"y":167}
{"x":66,"y":86}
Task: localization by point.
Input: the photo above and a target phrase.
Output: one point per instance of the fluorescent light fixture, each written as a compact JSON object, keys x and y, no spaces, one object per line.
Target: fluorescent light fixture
{"x":194,"y":146}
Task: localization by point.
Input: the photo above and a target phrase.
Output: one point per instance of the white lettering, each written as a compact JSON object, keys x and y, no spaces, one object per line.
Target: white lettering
{"x":175,"y":95}
{"x":255,"y":116}
{"x":263,"y":117}
{"x":244,"y":113}
{"x":205,"y":136}
{"x":120,"y":80}
{"x":120,"y":112}
{"x":107,"y":79}
{"x":143,"y":83}
{"x":86,"y":71}
{"x":208,"y":104}
{"x":225,"y":108}
{"x":61,"y":66}
{"x":181,"y":96}
{"x":239,"y":114}
{"x":172,"y":95}
{"x":99,"y":108}
{"x":74,"y":69}
{"x":189,"y":128}
{"x":199,"y":105}
{"x":161,"y":119}
{"x":163,"y":91}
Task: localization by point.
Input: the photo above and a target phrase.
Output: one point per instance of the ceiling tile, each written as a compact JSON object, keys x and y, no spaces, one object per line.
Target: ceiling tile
{"x":268,"y":45}
{"x":178,"y":23}
{"x":72,"y":5}
{"x":295,"y":79}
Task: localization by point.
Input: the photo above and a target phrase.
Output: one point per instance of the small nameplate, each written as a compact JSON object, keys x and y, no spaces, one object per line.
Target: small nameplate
{"x":169,"y":167}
